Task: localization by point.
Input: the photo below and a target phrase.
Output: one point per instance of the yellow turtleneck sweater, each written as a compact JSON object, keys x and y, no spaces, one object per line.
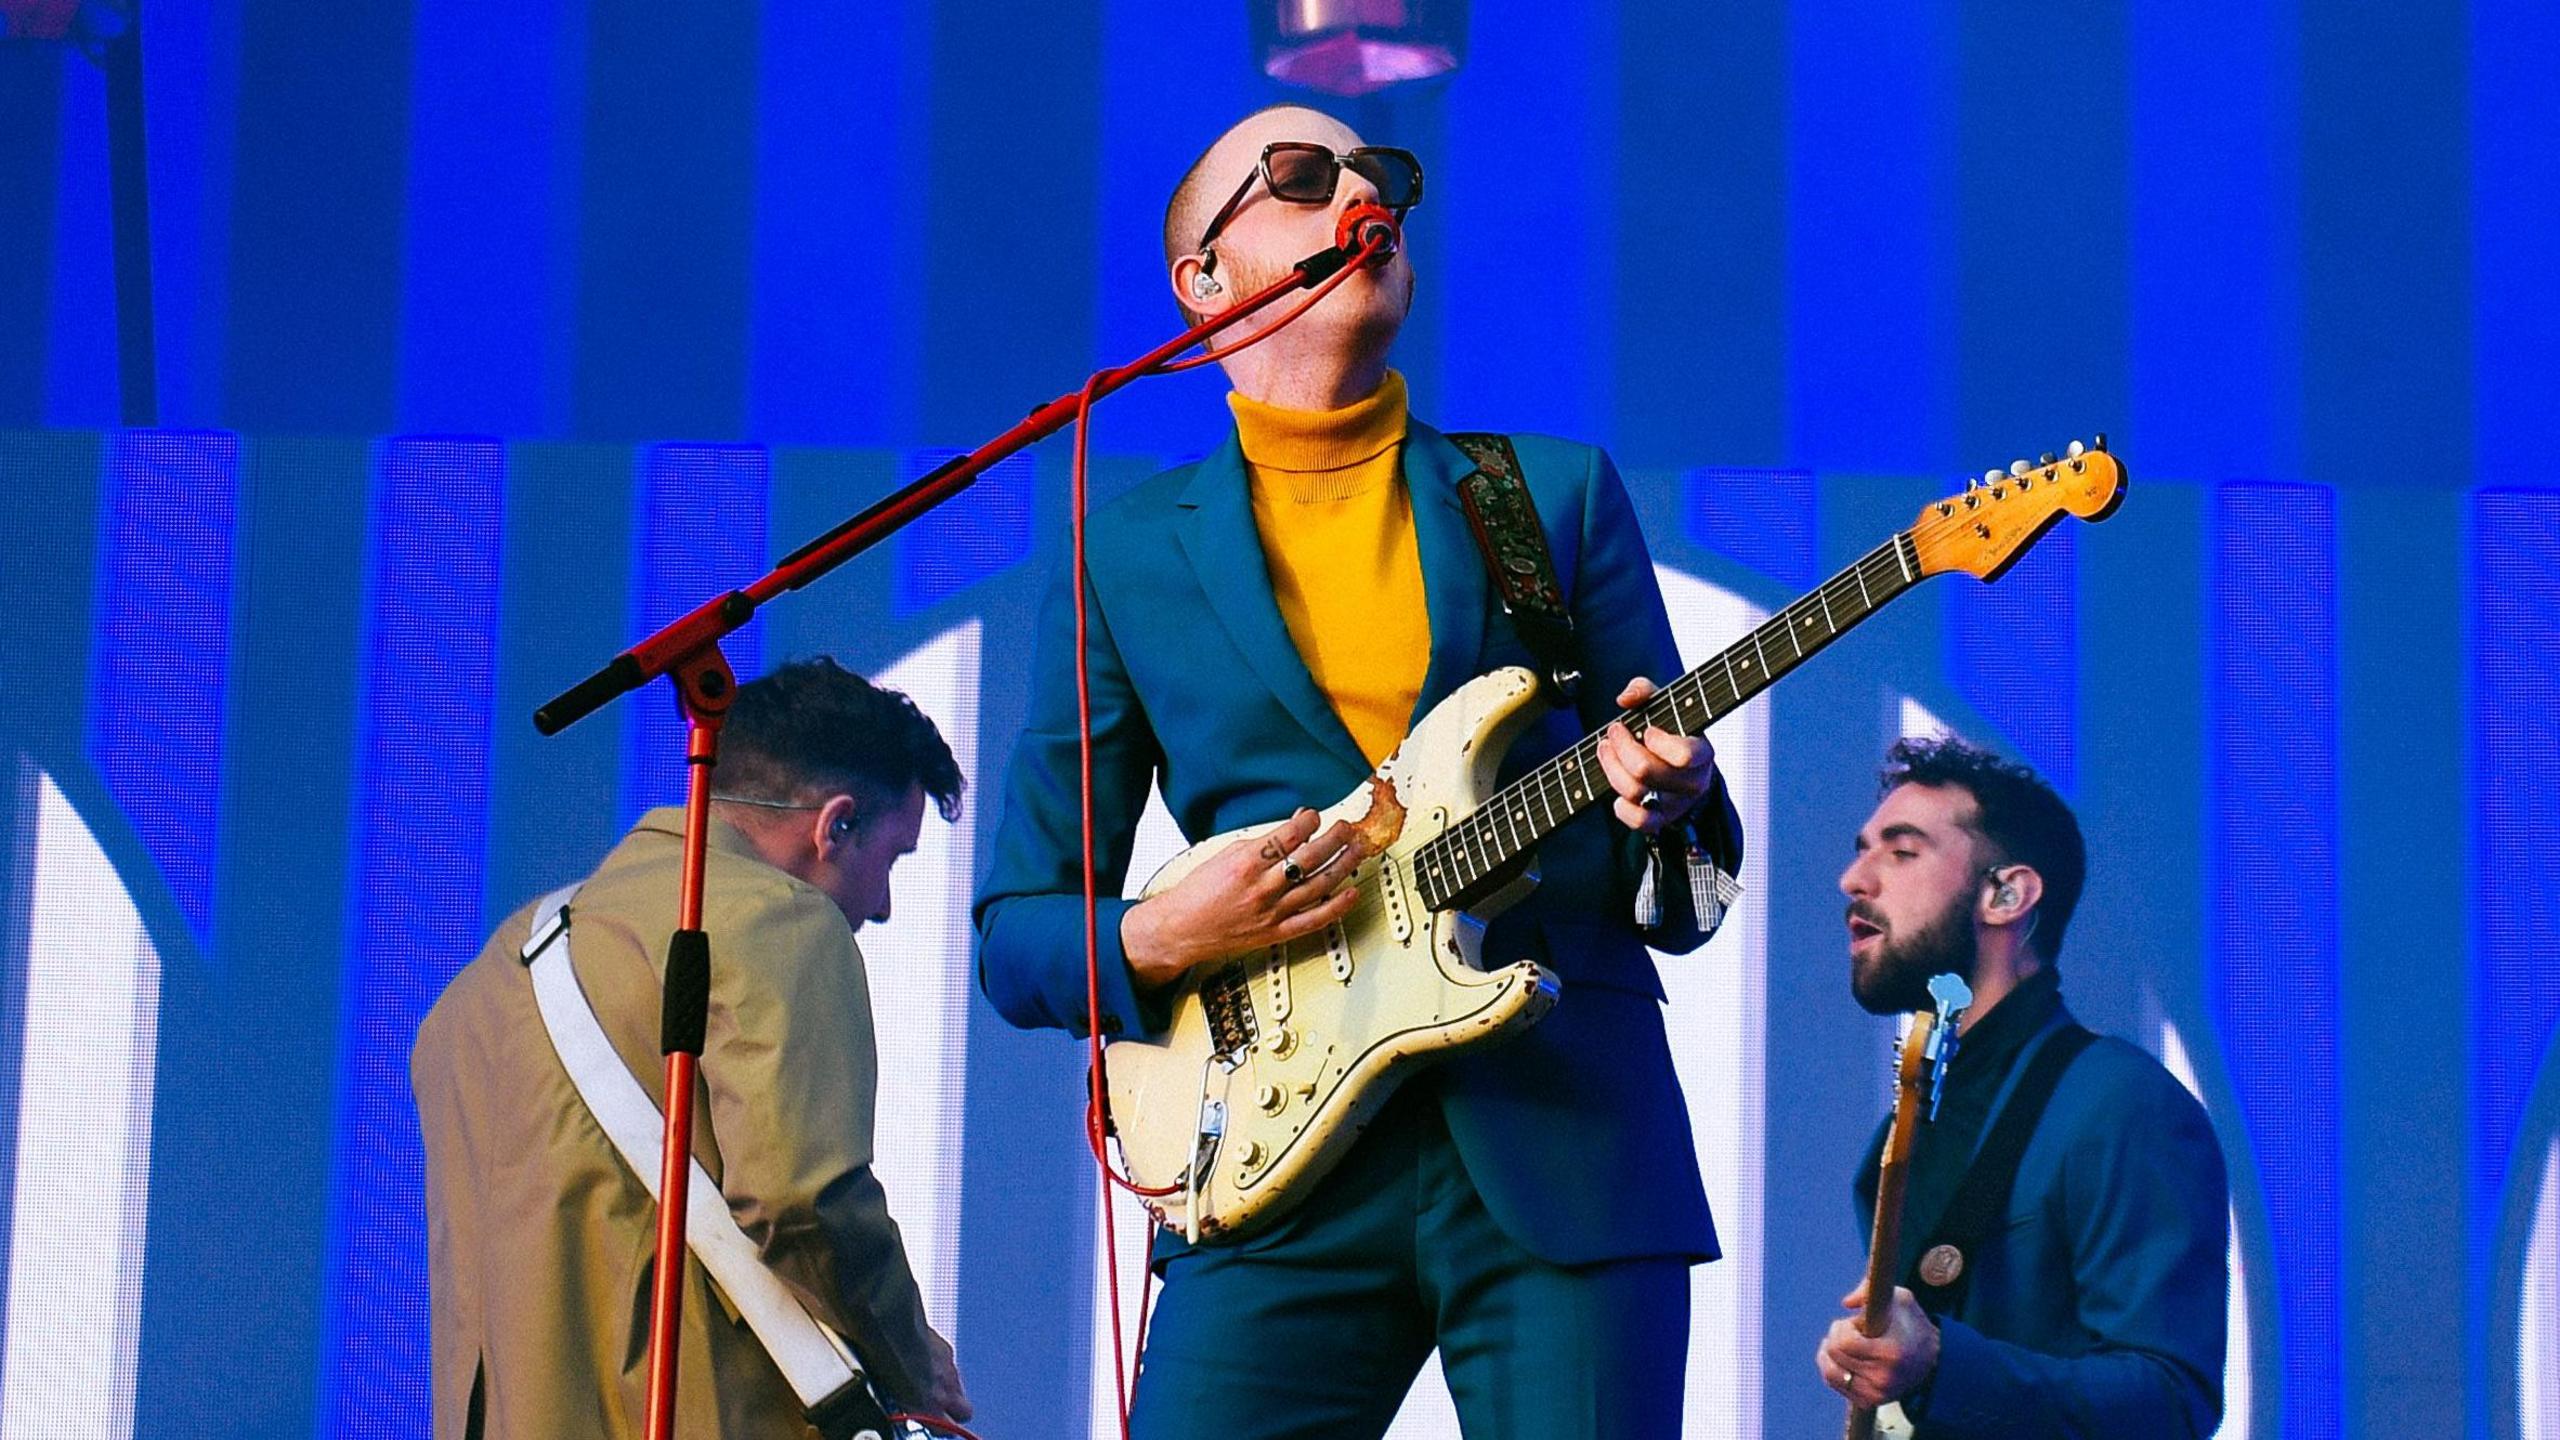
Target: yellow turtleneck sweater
{"x":1336,"y":523}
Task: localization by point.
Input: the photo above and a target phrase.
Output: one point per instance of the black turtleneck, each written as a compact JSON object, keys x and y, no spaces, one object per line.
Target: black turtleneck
{"x":1986,"y":1053}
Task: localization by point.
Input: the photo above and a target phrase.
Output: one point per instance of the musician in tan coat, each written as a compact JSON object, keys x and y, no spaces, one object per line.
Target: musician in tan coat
{"x":541,"y":1240}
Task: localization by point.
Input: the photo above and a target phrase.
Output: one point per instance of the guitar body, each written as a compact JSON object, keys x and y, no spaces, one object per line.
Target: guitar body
{"x":1276,"y":1061}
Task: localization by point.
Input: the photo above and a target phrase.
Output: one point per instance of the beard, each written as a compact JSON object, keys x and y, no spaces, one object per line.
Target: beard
{"x":1894,"y":978}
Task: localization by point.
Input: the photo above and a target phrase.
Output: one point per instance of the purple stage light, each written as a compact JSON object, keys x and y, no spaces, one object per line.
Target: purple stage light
{"x":1355,"y":47}
{"x":37,"y":19}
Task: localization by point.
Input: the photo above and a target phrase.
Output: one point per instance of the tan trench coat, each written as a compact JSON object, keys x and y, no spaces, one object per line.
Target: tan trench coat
{"x":540,"y":1239}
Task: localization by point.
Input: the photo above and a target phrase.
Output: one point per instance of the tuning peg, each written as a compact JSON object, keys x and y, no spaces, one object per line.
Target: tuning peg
{"x":1992,"y":476}
{"x":1971,"y":484}
{"x":2018,"y":469}
{"x":2102,"y":442}
{"x":2045,"y":459}
{"x":2075,"y":450}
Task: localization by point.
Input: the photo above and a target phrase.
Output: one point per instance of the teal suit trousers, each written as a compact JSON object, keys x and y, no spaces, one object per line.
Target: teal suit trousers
{"x":1315,"y":1328}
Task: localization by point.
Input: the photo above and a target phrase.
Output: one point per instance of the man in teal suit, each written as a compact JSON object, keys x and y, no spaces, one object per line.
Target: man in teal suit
{"x":1264,"y":625}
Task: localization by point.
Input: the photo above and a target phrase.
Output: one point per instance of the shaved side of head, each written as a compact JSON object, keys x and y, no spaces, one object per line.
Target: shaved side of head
{"x":1205,"y":187}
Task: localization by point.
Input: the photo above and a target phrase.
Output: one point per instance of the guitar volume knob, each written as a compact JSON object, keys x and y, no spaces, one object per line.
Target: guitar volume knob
{"x":1271,"y":1098}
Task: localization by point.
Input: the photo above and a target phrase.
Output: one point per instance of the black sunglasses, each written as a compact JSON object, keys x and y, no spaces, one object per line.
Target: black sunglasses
{"x":1304,"y":173}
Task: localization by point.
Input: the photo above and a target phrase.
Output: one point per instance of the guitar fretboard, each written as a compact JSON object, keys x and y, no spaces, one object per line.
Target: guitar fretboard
{"x":1532,"y":807}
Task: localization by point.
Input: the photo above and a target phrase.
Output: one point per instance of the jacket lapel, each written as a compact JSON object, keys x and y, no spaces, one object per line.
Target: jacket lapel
{"x":1453,"y":578}
{"x":1225,"y":551}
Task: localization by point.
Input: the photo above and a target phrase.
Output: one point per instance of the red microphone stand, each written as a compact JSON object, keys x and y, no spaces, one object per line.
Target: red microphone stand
{"x":688,"y":650}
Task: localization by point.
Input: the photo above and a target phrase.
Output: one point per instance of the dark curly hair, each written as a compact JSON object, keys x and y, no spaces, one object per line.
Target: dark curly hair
{"x":2015,"y":811}
{"x":814,"y":725}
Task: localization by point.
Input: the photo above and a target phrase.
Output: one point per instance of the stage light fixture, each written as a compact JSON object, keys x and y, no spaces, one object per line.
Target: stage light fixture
{"x":1357,"y":47}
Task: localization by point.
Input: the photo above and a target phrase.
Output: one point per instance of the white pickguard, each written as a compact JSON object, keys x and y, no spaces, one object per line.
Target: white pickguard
{"x":1276,"y":1060}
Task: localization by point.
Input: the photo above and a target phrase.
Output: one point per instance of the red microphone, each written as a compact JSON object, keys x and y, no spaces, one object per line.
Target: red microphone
{"x":1366,"y":224}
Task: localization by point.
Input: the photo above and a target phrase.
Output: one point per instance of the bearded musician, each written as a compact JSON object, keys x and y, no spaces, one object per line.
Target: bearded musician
{"x":2063,"y":1236}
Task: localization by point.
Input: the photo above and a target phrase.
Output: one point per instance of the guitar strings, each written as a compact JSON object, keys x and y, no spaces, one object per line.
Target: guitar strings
{"x":1476,"y":832}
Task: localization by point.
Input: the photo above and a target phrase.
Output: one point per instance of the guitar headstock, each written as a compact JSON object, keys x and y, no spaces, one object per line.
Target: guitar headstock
{"x":1952,"y":997}
{"x":1983,"y":530}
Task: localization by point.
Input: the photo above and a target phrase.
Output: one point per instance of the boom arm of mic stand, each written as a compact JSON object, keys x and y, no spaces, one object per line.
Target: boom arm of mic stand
{"x":689,"y":649}
{"x":716,"y":618}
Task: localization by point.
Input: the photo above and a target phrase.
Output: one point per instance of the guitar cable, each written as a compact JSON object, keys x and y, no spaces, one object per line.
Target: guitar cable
{"x":1125,"y":1357}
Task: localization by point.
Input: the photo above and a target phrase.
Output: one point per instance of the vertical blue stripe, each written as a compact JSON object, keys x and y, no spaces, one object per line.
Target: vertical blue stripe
{"x":191,"y":81}
{"x":2215,"y":242}
{"x":164,"y":638}
{"x":81,"y":381}
{"x":2013,"y":653}
{"x":2387,"y":209}
{"x":1763,"y":518}
{"x":2272,"y":970}
{"x":2515,"y":312}
{"x":312,"y":331}
{"x":1871,"y":247}
{"x":2040,"y":188}
{"x":414,"y":916}
{"x":2515,"y":984}
{"x":1008,"y":193}
{"x":1534,"y":295}
{"x":980,"y":534}
{"x":31,"y":107}
{"x":2515,"y":304}
{"x":1701,"y":192}
{"x":668,"y":193}
{"x":837,"y":312}
{"x":482,"y":258}
{"x":701,"y":532}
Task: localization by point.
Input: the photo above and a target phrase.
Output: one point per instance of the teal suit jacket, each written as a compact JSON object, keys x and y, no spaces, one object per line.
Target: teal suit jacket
{"x":1576,"y":1134}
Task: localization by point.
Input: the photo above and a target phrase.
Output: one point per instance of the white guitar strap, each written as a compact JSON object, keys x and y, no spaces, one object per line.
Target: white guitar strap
{"x":813,"y":1358}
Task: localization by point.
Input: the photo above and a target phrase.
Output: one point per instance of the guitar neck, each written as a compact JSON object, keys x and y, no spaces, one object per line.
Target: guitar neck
{"x":1884,"y":1245}
{"x":1525,"y":812}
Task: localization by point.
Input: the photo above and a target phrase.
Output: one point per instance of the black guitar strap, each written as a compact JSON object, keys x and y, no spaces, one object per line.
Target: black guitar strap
{"x":1943,"y":1272}
{"x":1514,"y":545}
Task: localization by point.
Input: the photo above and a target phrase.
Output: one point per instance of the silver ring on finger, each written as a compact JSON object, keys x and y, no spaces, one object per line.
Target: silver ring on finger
{"x":1650,"y":800}
{"x":1293,"y":872}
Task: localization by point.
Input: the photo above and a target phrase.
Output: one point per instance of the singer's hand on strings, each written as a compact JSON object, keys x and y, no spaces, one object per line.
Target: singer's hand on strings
{"x":1289,"y":881}
{"x":1660,"y":778}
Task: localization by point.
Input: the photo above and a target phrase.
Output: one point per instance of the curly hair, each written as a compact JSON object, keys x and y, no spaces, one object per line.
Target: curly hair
{"x":814,"y":725}
{"x":2019,"y":815}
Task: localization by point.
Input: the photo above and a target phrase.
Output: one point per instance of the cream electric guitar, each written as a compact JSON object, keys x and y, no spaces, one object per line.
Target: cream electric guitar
{"x":1275,"y":1060}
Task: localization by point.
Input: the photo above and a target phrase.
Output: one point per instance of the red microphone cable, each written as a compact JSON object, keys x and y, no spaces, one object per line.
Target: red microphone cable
{"x":1358,"y":220}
